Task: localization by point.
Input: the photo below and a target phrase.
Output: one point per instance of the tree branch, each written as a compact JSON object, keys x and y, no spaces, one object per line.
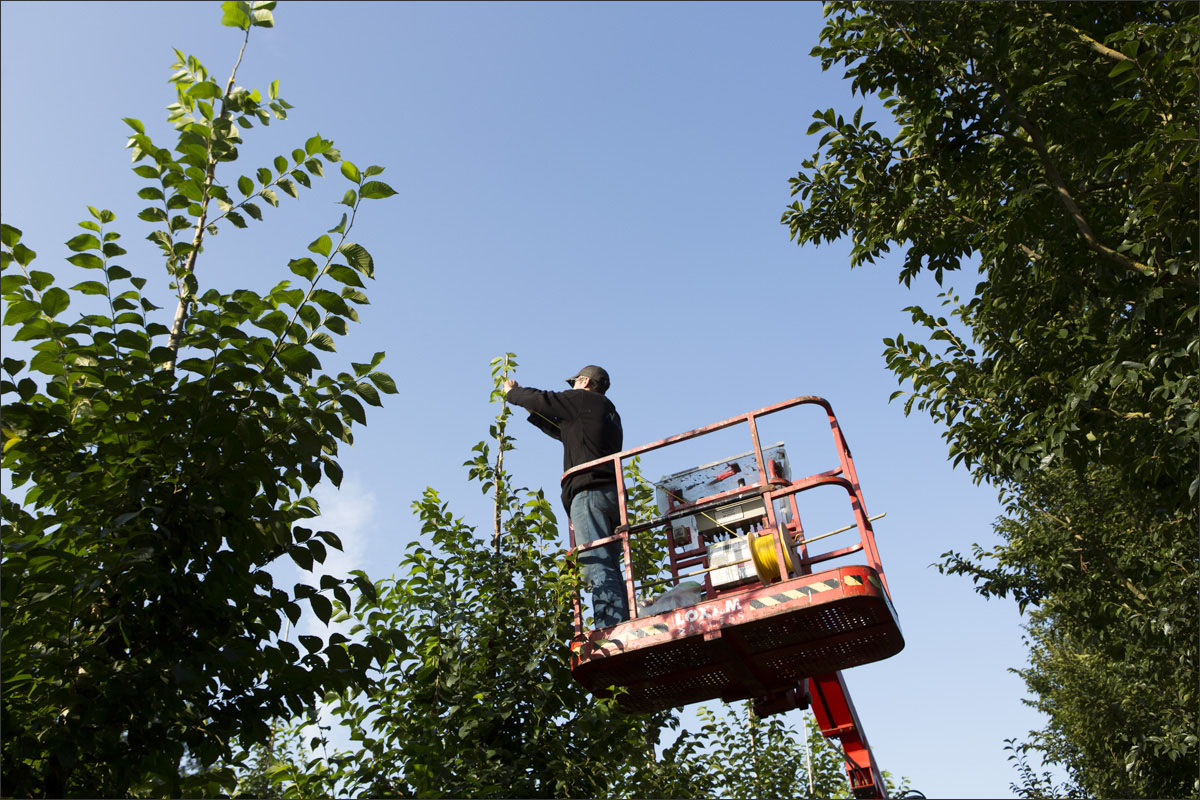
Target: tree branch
{"x":1064,"y":194}
{"x":1102,"y":49}
{"x":501,"y":424}
{"x":185,"y":295}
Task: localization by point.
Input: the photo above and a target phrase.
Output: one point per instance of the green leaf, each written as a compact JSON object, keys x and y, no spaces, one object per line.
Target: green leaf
{"x":276,"y":322}
{"x":86,"y":261}
{"x":322,"y":245}
{"x":1122,"y":67}
{"x":9,"y":235}
{"x":315,"y":146}
{"x":376,"y":190}
{"x":298,"y":359}
{"x":23,"y":255}
{"x":358,"y":257}
{"x":368,"y":392}
{"x":206,"y":90}
{"x":263,"y":19}
{"x":384,"y":382}
{"x":351,"y":172}
{"x":345,"y":275}
{"x":321,"y":607}
{"x":40,"y":280}
{"x":12,"y":283}
{"x":47,"y":362}
{"x":84,"y":241}
{"x":330,"y":302}
{"x":245,"y":185}
{"x":353,"y":409}
{"x":310,"y":316}
{"x":235,"y":14}
{"x":55,"y":301}
{"x":304,"y":267}
{"x":90,"y":287}
{"x":333,"y":471}
{"x":19,"y":311}
{"x":322,"y":341}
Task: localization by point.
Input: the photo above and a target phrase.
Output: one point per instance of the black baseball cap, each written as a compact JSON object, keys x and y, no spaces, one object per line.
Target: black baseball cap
{"x":598,"y":376}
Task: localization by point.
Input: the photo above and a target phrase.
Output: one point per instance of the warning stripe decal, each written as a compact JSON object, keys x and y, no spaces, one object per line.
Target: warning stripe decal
{"x":636,"y":633}
{"x":757,"y":603}
{"x":650,"y":630}
{"x":794,"y":594}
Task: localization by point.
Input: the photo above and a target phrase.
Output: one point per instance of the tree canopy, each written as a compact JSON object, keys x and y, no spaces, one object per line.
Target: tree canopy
{"x":159,"y":469}
{"x":480,"y":701}
{"x":1052,"y":148}
{"x":1057,"y":146}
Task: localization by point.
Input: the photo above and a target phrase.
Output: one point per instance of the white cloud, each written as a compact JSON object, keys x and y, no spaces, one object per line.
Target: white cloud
{"x":348,"y":512}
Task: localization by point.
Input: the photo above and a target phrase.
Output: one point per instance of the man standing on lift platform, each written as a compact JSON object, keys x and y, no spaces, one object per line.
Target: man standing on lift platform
{"x":589,"y":427}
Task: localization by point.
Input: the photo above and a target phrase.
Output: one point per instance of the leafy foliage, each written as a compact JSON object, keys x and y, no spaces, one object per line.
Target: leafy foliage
{"x":1112,"y":634}
{"x":478,"y":700}
{"x":1032,"y":784}
{"x":753,"y":757}
{"x":164,"y":469}
{"x":1058,"y":147}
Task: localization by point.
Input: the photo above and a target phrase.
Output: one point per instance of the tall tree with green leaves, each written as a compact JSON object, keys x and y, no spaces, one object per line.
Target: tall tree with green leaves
{"x":753,"y":757}
{"x":159,"y":469}
{"x":479,"y":700}
{"x":1053,"y":148}
{"x":1112,"y":593}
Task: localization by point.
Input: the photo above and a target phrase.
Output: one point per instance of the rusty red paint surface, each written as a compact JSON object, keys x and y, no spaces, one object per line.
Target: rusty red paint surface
{"x":745,"y":644}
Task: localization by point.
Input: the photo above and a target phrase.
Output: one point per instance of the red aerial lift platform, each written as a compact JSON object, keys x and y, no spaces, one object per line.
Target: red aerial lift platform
{"x":773,"y":622}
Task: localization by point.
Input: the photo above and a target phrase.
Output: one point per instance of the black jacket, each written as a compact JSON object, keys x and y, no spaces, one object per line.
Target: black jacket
{"x":588,"y":425}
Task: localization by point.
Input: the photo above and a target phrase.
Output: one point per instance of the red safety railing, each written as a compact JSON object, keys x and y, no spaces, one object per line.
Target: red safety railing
{"x":769,"y":486}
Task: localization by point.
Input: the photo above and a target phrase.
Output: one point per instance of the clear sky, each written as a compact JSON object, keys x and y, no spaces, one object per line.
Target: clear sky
{"x":577,"y":183}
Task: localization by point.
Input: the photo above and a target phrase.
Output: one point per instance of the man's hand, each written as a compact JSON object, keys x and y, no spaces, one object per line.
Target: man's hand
{"x":509,"y":385}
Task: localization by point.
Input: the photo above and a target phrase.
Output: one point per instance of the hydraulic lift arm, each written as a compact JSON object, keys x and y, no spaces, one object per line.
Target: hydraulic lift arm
{"x":834,"y":710}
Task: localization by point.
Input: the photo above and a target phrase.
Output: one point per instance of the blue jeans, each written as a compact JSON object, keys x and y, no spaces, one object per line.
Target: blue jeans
{"x":594,"y":515}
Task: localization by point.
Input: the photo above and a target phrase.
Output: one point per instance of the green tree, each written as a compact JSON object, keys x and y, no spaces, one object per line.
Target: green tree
{"x":1056,"y":145}
{"x":1114,"y":591}
{"x":158,"y":471}
{"x":754,"y":757}
{"x":479,"y":700}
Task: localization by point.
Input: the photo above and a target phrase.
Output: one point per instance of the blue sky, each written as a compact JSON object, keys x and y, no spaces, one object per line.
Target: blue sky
{"x":577,"y":183}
